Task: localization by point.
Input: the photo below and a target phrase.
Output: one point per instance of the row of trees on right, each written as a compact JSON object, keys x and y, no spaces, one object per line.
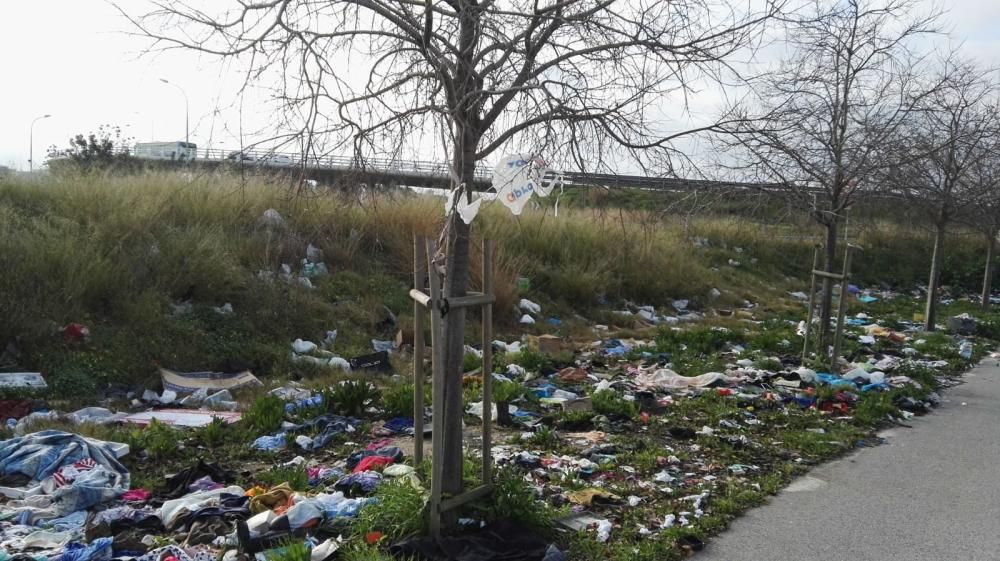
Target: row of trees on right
{"x":861,"y":108}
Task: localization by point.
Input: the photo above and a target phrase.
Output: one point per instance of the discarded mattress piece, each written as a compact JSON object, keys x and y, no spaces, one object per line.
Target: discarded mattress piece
{"x":26,"y":380}
{"x":190,"y":382}
{"x":665,"y":378}
{"x":183,"y":417}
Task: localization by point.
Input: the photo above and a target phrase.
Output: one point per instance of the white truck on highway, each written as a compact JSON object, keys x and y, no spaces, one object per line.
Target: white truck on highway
{"x":177,"y":151}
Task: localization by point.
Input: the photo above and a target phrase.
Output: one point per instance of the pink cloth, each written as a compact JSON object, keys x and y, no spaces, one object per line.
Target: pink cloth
{"x":136,"y":495}
{"x":379,"y":444}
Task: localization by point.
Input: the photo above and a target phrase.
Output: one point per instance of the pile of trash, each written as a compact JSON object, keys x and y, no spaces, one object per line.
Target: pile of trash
{"x":630,"y":437}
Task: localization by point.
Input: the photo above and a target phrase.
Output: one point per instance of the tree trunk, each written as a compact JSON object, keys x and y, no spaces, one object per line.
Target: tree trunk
{"x":991,"y":241}
{"x":826,"y":303}
{"x":930,"y":313}
{"x":456,"y":284}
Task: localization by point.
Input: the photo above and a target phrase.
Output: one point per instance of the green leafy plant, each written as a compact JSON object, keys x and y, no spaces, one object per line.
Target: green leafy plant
{"x":213,"y":434}
{"x":544,"y":437}
{"x":399,"y":511}
{"x":613,"y":404}
{"x":514,"y":499}
{"x":397,"y":400}
{"x":295,"y":476}
{"x":264,"y":415}
{"x":350,"y":397}
{"x":292,"y":550}
{"x":506,"y":392}
{"x":158,"y":440}
{"x":575,"y":420}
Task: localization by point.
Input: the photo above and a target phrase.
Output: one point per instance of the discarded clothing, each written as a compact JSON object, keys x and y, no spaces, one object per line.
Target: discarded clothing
{"x":179,"y":484}
{"x":97,"y":550}
{"x":500,"y":541}
{"x":278,"y":497}
{"x":392,"y":452}
{"x":358,"y":483}
{"x":43,"y":454}
{"x":137,"y":496}
{"x":373,"y":463}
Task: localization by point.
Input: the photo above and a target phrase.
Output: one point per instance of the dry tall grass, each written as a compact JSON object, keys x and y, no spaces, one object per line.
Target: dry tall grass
{"x":117,"y":251}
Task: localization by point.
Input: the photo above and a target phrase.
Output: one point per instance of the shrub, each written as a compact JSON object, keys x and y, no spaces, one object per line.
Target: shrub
{"x":351,"y":397}
{"x":295,"y":476}
{"x":613,"y":404}
{"x":264,"y":415}
{"x":399,"y":511}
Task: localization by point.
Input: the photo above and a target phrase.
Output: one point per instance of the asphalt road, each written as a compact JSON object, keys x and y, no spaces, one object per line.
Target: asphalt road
{"x":930,"y":493}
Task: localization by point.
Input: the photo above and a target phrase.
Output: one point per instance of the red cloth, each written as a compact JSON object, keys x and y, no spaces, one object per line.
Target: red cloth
{"x":372,"y":463}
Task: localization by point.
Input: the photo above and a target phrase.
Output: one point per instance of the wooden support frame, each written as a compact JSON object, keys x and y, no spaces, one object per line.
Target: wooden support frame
{"x":843,"y":278}
{"x":432,"y":305}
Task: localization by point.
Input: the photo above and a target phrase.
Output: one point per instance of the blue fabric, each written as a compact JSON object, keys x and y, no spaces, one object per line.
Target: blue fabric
{"x":878,"y":386}
{"x":69,"y":523}
{"x":97,"y":550}
{"x":835,"y":381}
{"x":270,"y":442}
{"x":398,"y":425}
{"x":40,"y":455}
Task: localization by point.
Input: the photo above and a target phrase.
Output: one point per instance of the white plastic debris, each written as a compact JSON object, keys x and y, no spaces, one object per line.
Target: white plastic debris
{"x":304,"y":441}
{"x":603,"y":531}
{"x":680,"y":305}
{"x":527,"y":320}
{"x":272,"y":218}
{"x":303,"y":347}
{"x":529,"y":306}
{"x":330,"y":339}
{"x":633,"y":500}
{"x":663,"y":477}
{"x":337,"y":362}
{"x":314,"y":254}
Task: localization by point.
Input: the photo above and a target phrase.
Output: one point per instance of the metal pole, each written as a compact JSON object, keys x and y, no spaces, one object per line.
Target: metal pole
{"x":31,"y":142}
{"x":187,"y":110}
{"x":812,"y":303}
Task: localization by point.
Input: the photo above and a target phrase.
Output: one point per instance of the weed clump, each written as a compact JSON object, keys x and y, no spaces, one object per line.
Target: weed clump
{"x":613,"y":404}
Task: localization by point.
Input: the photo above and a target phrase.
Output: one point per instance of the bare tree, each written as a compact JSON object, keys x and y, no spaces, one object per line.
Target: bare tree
{"x":579,"y":82}
{"x":816,"y":122}
{"x":939,"y":151}
{"x":983,"y":213}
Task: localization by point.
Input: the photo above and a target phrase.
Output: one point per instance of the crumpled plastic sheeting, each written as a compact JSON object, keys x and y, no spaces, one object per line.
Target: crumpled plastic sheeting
{"x":664,"y":378}
{"x":42,"y":454}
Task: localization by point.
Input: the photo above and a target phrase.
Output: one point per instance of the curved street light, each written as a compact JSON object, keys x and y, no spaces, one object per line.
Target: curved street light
{"x":31,"y":142}
{"x":187,"y":111}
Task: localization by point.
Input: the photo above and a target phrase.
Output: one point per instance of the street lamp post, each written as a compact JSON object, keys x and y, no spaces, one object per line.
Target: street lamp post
{"x":187,"y":110}
{"x":31,"y":142}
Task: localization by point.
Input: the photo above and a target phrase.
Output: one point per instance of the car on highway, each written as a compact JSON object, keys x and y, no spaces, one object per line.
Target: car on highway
{"x":241,"y":157}
{"x":280,"y":160}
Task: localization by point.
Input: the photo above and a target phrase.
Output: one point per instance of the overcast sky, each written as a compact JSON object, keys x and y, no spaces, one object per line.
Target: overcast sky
{"x":72,"y":59}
